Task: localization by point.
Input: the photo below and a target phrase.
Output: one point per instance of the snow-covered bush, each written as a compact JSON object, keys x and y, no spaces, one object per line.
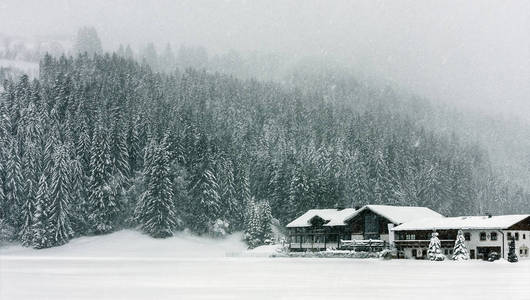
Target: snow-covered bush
{"x":219,"y":228}
{"x":387,"y":254}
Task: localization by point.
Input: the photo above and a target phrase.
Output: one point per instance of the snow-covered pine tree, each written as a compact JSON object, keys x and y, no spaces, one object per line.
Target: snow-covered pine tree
{"x":79,"y":205}
{"x":30,"y":186}
{"x":265,"y":222}
{"x":87,"y":41}
{"x":205,"y":203}
{"x":104,"y":207}
{"x":435,"y":248}
{"x":40,"y":237}
{"x":512,"y":256}
{"x":252,"y":224}
{"x":228,"y":193}
{"x":133,"y":146}
{"x":460,"y":251}
{"x":14,"y":187}
{"x":156,"y":212}
{"x":59,"y":225}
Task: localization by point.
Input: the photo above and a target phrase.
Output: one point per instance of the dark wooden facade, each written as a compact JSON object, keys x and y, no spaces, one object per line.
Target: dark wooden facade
{"x":368,"y":224}
{"x":522,"y":225}
{"x":422,"y":238}
{"x":317,"y":236}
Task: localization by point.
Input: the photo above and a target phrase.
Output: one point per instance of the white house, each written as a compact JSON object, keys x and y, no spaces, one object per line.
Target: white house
{"x":483,"y":235}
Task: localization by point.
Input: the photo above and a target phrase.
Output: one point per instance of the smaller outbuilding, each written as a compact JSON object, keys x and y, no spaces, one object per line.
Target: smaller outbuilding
{"x":483,"y":235}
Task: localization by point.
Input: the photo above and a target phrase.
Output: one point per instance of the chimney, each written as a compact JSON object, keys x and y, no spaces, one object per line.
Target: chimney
{"x":357,"y":207}
{"x":489,"y":215}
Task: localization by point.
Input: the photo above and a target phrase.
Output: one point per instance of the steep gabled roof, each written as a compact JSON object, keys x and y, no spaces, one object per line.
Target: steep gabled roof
{"x":399,"y":214}
{"x":334,"y":217}
{"x":469,"y":222}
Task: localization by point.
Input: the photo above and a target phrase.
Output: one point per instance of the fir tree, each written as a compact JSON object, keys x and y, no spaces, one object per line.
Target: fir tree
{"x":59,"y":225}
{"x":155,"y":212}
{"x":204,"y":192}
{"x":460,"y":251}
{"x":512,"y":256}
{"x":104,"y":205}
{"x":14,"y":188}
{"x":435,"y":248}
{"x":87,"y":41}
{"x":252,"y":225}
{"x":265,"y":222}
{"x":40,"y":236}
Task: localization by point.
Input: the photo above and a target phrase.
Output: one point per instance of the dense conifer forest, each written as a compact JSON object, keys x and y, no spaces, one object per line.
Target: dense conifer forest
{"x":98,"y":143}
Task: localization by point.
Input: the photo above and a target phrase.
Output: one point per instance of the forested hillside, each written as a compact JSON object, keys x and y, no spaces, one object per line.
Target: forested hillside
{"x":100,"y":143}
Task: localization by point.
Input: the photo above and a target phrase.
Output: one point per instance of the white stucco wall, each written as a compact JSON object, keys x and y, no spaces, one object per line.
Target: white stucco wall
{"x":475,"y":242}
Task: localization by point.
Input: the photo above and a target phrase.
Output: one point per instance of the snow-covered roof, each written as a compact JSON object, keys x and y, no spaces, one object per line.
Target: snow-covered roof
{"x":335,"y":217}
{"x":470,"y":222}
{"x":399,"y":214}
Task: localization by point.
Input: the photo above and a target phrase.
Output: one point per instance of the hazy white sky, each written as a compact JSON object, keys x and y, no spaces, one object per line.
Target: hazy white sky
{"x":475,"y":53}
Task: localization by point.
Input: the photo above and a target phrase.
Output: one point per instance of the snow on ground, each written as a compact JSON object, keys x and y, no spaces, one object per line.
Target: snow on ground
{"x":128,"y":265}
{"x":263,"y":251}
{"x":133,"y":244}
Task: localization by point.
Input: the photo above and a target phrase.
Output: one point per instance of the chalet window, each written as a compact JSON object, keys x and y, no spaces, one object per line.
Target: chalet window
{"x":331,"y":238}
{"x":517,"y":236}
{"x":410,"y":236}
{"x":524,"y":236}
{"x":482,"y":236}
{"x":493,"y":236}
{"x":467,"y":236}
{"x":509,"y":236}
{"x":521,"y":251}
{"x":308,"y":239}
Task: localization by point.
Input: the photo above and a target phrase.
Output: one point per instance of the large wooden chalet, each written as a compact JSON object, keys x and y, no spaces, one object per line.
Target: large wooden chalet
{"x":366,"y":227}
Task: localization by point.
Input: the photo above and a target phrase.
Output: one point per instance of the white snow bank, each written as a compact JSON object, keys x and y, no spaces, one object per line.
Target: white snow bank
{"x":130,"y":243}
{"x":263,"y":251}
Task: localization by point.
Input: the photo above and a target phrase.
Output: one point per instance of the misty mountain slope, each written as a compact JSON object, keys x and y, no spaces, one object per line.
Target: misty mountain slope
{"x":97,"y":144}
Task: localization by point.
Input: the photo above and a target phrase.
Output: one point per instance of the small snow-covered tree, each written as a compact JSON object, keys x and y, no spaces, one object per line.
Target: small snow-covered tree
{"x":258,"y":221}
{"x":435,"y":248}
{"x":252,"y":224}
{"x":460,"y":251}
{"x":265,"y":220}
{"x":512,"y":256}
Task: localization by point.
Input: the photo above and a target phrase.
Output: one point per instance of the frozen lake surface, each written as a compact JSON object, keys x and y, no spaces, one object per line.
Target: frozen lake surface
{"x":127,"y":265}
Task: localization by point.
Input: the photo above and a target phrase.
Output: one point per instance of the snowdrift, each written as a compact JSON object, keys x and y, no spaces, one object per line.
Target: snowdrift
{"x":130,"y":243}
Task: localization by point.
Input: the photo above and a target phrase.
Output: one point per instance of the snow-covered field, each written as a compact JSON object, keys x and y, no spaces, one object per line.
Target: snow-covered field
{"x":128,"y":265}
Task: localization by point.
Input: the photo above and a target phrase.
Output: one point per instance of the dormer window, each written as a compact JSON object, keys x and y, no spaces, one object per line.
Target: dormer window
{"x":482,"y":236}
{"x":467,"y":236}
